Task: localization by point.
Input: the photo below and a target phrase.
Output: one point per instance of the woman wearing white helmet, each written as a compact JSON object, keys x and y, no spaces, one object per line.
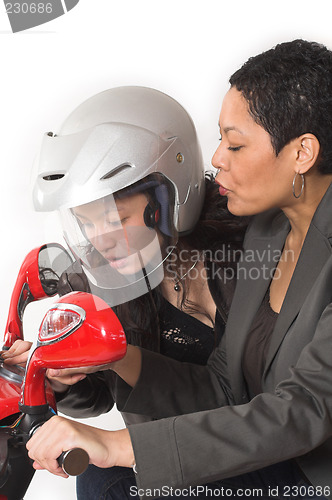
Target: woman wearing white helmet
{"x":145,"y":225}
{"x":120,"y":143}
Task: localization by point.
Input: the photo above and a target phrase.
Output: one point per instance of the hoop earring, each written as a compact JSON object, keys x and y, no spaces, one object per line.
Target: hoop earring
{"x":302,"y":186}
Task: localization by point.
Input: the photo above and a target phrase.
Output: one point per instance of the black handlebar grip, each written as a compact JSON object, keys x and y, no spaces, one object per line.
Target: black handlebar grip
{"x":74,"y":462}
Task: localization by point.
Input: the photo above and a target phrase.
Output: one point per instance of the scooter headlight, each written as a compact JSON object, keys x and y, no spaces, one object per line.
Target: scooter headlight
{"x":59,"y":322}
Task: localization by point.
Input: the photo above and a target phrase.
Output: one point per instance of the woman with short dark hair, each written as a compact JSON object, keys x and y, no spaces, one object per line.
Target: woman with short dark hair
{"x":258,"y":417}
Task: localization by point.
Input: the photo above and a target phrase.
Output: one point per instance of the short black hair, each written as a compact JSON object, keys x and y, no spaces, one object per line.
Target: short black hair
{"x":289,"y":93}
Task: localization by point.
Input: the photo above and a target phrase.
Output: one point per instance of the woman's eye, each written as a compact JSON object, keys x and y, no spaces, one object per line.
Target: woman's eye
{"x":117,"y":223}
{"x":231,"y":148}
{"x":114,"y":223}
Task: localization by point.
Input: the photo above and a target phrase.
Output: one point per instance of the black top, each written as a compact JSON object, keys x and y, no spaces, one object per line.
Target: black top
{"x":257,"y":346}
{"x":185,"y":338}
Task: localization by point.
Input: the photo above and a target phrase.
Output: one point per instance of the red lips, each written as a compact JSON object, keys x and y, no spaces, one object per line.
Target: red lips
{"x":222,"y":190}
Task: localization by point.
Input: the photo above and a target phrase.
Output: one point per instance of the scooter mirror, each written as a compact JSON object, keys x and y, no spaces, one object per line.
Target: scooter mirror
{"x":37,"y":279}
{"x":79,"y":330}
{"x":53,"y":260}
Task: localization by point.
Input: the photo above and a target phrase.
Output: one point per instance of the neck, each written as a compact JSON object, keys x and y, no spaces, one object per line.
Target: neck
{"x":301,"y":211}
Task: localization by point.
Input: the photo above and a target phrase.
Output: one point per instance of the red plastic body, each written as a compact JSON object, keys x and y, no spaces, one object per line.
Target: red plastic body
{"x":28,"y":274}
{"x":99,"y":340}
{"x":10,"y":396}
{"x":28,"y":285}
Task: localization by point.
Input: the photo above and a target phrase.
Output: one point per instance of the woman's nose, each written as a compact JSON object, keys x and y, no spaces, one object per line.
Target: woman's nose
{"x":103,"y":239}
{"x":219,"y":160}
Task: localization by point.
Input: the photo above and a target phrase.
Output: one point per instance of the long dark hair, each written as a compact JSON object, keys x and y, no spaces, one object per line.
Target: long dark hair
{"x":216,"y":230}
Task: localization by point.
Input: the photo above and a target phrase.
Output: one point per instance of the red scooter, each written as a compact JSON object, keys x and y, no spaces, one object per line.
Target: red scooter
{"x":79,"y":329}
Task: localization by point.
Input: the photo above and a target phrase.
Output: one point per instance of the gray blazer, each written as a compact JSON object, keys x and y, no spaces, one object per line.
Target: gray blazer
{"x":213,"y":431}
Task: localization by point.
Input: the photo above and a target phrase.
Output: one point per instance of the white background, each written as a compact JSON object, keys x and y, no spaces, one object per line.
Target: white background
{"x":186,"y":48}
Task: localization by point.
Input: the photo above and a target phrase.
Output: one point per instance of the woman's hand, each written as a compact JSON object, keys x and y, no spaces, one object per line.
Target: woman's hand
{"x":18,"y":353}
{"x":105,"y":448}
{"x":61,"y":379}
{"x":128,"y":368}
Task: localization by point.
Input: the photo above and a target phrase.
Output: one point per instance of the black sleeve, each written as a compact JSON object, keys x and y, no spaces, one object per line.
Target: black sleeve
{"x":90,"y":397}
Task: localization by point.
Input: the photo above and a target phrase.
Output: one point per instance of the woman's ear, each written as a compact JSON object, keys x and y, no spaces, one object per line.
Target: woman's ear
{"x":308,"y":149}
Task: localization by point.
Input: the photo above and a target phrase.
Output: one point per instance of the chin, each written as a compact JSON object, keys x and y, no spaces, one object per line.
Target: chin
{"x":242,"y":209}
{"x":235,"y":208}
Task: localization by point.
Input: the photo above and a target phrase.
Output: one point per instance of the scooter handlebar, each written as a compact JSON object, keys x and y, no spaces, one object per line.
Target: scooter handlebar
{"x":74,"y":462}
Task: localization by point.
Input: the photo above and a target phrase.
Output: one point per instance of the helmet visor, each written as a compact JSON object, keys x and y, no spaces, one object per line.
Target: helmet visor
{"x":122,"y":239}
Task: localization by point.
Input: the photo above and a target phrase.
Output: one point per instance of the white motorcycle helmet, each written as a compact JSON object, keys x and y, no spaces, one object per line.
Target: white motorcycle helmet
{"x":126,"y":173}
